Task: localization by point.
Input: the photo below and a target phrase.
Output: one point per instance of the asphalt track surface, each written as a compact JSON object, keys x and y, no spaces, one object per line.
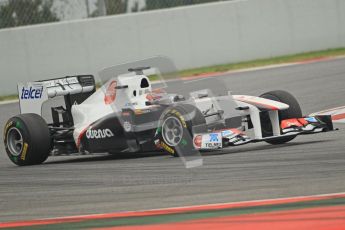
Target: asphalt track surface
{"x":75,"y":185}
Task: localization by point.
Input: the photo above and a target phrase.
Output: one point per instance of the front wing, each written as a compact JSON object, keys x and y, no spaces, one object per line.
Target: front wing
{"x":290,"y":127}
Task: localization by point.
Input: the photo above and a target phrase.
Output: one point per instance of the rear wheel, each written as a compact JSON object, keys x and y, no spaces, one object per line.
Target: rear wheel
{"x":27,"y":139}
{"x":294,"y":111}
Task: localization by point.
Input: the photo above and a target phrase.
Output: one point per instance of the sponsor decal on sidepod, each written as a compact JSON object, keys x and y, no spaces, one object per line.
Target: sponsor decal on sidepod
{"x":127,"y":126}
{"x":99,"y":133}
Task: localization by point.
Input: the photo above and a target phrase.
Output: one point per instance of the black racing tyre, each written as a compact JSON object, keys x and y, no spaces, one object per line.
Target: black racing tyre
{"x":175,"y":131}
{"x":27,"y":139}
{"x":294,"y":111}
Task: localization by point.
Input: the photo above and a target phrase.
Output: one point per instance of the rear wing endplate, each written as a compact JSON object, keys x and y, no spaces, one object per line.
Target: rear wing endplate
{"x":33,"y":94}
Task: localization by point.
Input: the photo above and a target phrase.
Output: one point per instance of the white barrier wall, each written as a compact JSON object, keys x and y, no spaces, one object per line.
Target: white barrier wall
{"x":192,"y":36}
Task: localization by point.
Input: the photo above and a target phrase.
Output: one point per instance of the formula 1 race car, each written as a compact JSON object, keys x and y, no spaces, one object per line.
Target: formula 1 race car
{"x":129,"y":113}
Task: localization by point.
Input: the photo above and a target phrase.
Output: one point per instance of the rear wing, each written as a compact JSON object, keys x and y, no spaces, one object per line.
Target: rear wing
{"x":74,"y":89}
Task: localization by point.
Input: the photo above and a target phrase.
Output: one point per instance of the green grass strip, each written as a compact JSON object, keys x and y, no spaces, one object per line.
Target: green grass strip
{"x":187,"y":216}
{"x":8,"y":98}
{"x":243,"y":65}
{"x":265,"y":62}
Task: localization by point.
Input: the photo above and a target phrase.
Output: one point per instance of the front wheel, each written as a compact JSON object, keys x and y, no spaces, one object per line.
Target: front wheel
{"x":175,"y":132}
{"x":27,"y":139}
{"x":294,"y":111}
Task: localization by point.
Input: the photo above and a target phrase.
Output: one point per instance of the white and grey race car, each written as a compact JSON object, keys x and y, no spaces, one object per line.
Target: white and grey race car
{"x":129,"y":113}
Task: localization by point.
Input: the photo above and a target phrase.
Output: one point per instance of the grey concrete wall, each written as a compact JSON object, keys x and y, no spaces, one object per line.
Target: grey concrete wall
{"x":192,"y":36}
